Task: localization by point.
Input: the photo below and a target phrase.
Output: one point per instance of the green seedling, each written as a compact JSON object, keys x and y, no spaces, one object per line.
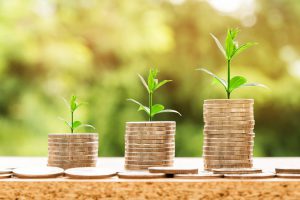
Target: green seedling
{"x":231,"y":50}
{"x":73,"y":105}
{"x":152,"y":85}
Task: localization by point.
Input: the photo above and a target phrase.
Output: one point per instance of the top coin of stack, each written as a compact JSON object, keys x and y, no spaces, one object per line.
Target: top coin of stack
{"x":149,"y":144}
{"x":228,"y":133}
{"x":72,"y":150}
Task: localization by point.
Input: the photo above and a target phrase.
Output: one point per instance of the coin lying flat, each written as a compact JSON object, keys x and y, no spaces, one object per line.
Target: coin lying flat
{"x":6,"y":171}
{"x":237,"y":171}
{"x":89,"y":173}
{"x":3,"y":176}
{"x":140,"y":175}
{"x":250,"y":176}
{"x":288,"y":170}
{"x":280,"y":175}
{"x":200,"y":175}
{"x":173,"y":170}
{"x":38,"y":172}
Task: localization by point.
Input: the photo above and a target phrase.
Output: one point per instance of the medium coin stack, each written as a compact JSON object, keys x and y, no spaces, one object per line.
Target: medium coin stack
{"x":228,"y":133}
{"x":72,"y":150}
{"x":149,"y":144}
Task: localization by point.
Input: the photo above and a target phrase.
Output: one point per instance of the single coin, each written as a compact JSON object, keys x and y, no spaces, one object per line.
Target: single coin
{"x":6,"y":170}
{"x":3,"y":176}
{"x":228,"y":101}
{"x":288,"y":170}
{"x":170,"y":145}
{"x":169,"y":162}
{"x":226,"y":157}
{"x":173,"y":170}
{"x":200,"y":175}
{"x":150,"y":128}
{"x":150,"y":141}
{"x":143,"y":167}
{"x":73,"y":136}
{"x":89,"y":173}
{"x":140,"y":175}
{"x":149,"y":137}
{"x":280,"y":175}
{"x":38,"y":172}
{"x":250,"y":176}
{"x":236,"y":171}
{"x":157,"y":123}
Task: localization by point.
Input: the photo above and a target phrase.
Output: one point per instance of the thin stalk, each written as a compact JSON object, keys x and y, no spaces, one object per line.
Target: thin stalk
{"x":72,"y":118}
{"x":228,"y":79}
{"x":150,"y":106}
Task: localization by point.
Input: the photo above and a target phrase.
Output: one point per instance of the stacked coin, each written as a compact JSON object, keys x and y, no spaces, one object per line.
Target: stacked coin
{"x":228,"y":133}
{"x":149,"y":144}
{"x":72,"y":150}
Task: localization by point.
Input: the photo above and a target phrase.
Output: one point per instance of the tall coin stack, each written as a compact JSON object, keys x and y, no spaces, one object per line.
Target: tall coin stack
{"x":228,"y":133}
{"x":73,"y":150}
{"x":149,"y":144}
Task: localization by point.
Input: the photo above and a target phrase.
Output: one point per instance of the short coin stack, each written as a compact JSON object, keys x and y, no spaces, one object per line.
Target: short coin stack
{"x":228,"y":133}
{"x":149,"y":144}
{"x":72,"y":150}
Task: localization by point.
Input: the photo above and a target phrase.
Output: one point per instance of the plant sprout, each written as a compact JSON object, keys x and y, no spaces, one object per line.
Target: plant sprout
{"x":73,"y":105}
{"x":231,"y":50}
{"x":152,"y":85}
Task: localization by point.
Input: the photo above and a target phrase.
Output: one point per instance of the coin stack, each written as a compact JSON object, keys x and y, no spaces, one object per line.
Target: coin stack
{"x":228,"y":133}
{"x":149,"y":144}
{"x":72,"y":150}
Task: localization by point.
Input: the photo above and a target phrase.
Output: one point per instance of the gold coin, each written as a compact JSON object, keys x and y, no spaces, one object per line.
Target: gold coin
{"x":85,"y":144}
{"x":228,"y":144}
{"x":3,"y":176}
{"x":150,"y":145}
{"x":142,"y":167}
{"x":230,"y":148}
{"x":229,"y":101}
{"x":250,"y":176}
{"x":170,"y":128}
{"x":226,"y":157}
{"x":174,"y":170}
{"x":73,"y":136}
{"x":72,"y":161}
{"x":38,"y":172}
{"x":228,"y":106}
{"x":147,"y":158}
{"x":249,"y":127}
{"x":245,"y":118}
{"x":133,"y":150}
{"x":279,"y":175}
{"x":90,"y":173}
{"x":72,"y":158}
{"x":149,"y":137}
{"x":228,"y":110}
{"x":200,"y":175}
{"x":228,"y":114}
{"x":210,"y":167}
{"x":72,"y":153}
{"x":232,"y":139}
{"x":237,"y":171}
{"x":225,"y":162}
{"x":228,"y":153}
{"x":171,"y":153}
{"x":150,"y":141}
{"x":229,"y":123}
{"x":289,"y":170}
{"x":167,"y":132}
{"x":150,"y":124}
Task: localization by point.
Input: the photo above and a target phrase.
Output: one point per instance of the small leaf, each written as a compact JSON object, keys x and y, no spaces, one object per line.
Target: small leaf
{"x":220,"y":80}
{"x":141,"y":106}
{"x":151,"y":79}
{"x":65,"y":121}
{"x":144,"y":82}
{"x":73,"y":103}
{"x":170,"y":111}
{"x":162,"y":83}
{"x":236,"y":82}
{"x":244,"y":47}
{"x":219,"y":44}
{"x":87,"y":125}
{"x":156,"y":109}
{"x":76,"y":124}
{"x":254,"y":84}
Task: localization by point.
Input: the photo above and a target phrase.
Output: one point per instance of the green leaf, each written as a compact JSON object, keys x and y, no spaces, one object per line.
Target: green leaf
{"x":65,"y":121}
{"x":230,"y":44}
{"x":141,"y":106}
{"x":156,"y":109}
{"x":151,"y":79}
{"x":236,"y":82}
{"x":220,"y":80}
{"x":144,"y":83}
{"x":76,"y":124}
{"x":162,"y":83}
{"x":219,"y":44}
{"x":254,"y":84}
{"x":73,"y":103}
{"x":87,"y":125}
{"x":243,"y":47}
{"x":170,"y":111}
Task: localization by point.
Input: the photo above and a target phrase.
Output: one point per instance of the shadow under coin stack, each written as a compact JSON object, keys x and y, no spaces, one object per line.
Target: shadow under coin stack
{"x":228,"y":133}
{"x":72,"y":150}
{"x":149,"y":144}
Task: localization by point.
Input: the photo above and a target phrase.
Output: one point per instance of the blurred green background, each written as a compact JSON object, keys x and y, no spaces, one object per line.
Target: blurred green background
{"x":94,"y":49}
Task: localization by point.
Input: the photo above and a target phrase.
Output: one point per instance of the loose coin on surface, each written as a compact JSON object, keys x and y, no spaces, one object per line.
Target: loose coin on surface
{"x":200,"y":175}
{"x":6,"y":171}
{"x":89,"y":173}
{"x":140,"y":175}
{"x":250,"y":176}
{"x":280,"y":175}
{"x":237,"y":171}
{"x":173,"y":170}
{"x":38,"y":172}
{"x":3,"y":176}
{"x":288,"y":170}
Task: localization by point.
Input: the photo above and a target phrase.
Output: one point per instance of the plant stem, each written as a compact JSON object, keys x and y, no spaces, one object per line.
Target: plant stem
{"x":150,"y":106}
{"x":228,"y":79}
{"x":72,"y":118}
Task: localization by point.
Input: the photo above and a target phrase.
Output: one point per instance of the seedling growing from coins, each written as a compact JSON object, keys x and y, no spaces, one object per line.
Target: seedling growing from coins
{"x":231,"y":50}
{"x":73,"y":105}
{"x":151,"y":86}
